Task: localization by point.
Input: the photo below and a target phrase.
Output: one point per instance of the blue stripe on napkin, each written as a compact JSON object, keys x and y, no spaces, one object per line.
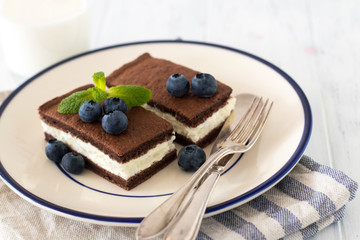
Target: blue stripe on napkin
{"x":309,"y":231}
{"x":203,"y":236}
{"x":338,"y":215}
{"x":306,"y":212}
{"x":301,"y":192}
{"x":232,"y":221}
{"x":287,"y":220}
{"x":335,"y":174}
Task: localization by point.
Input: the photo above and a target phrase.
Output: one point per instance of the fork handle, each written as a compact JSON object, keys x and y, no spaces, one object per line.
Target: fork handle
{"x":188,"y":222}
{"x":159,"y":219}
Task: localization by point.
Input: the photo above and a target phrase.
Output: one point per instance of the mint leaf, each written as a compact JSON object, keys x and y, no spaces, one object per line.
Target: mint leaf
{"x":99,"y":80}
{"x":72,"y":103}
{"x":132,"y":95}
{"x":98,"y":94}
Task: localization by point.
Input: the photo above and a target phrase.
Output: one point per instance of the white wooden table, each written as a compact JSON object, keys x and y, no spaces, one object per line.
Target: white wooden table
{"x":316,"y":42}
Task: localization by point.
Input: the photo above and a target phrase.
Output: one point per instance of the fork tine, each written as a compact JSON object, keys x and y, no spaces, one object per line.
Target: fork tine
{"x":245,"y":129}
{"x":259,"y":126}
{"x":245,"y":119}
{"x":245,"y":135}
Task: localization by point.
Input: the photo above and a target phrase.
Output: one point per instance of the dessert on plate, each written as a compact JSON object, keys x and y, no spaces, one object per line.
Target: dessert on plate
{"x":126,"y":133}
{"x":196,"y":120}
{"x":126,"y":159}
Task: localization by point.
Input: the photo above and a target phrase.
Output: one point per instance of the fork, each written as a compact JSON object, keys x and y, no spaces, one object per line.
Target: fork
{"x":181,"y":214}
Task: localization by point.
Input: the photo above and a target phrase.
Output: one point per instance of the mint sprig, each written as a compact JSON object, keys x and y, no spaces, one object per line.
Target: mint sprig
{"x":132,"y":95}
{"x":98,"y":94}
{"x":99,"y":80}
{"x":72,"y":103}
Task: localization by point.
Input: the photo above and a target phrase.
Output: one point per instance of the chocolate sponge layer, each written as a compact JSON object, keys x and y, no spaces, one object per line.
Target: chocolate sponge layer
{"x":145,"y":130}
{"x":153,"y":73}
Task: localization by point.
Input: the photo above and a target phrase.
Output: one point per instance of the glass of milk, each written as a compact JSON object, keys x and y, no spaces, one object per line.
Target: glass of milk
{"x":38,"y":33}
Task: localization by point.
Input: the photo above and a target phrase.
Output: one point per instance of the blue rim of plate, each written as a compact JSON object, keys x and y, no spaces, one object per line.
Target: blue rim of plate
{"x":210,"y":210}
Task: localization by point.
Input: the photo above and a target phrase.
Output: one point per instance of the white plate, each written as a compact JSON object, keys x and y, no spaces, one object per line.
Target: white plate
{"x":24,"y":167}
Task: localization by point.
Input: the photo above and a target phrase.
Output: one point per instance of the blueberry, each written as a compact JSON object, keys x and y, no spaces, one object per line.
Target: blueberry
{"x":115,"y":122}
{"x":114,"y":103}
{"x":90,"y":111}
{"x":191,"y":157}
{"x":204,"y":85}
{"x":177,"y":85}
{"x":55,"y":150}
{"x":73,"y":163}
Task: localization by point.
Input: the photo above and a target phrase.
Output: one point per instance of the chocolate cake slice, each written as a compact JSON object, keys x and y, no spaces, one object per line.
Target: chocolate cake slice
{"x":196,"y":120}
{"x":127,"y":159}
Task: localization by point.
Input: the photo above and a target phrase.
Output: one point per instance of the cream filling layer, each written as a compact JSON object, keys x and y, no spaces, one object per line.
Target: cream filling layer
{"x":124,"y":170}
{"x":200,"y":131}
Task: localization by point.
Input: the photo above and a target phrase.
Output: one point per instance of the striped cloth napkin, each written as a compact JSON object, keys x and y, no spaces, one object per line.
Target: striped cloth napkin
{"x":311,"y":197}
